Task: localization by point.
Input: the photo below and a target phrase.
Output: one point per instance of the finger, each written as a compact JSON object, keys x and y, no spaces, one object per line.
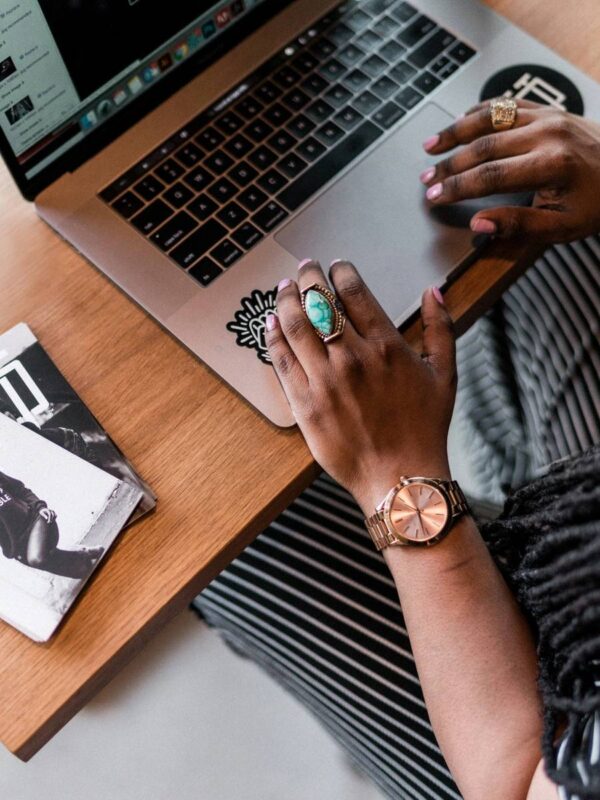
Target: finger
{"x":488,"y":148}
{"x":518,"y":174}
{"x":546,"y":225}
{"x":466,"y":129}
{"x":520,"y":103}
{"x":300,"y":334}
{"x":439,"y":340}
{"x":287,"y":367}
{"x":366,"y":315}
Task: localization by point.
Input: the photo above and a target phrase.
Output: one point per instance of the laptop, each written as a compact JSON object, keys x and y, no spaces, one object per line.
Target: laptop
{"x":196,"y":151}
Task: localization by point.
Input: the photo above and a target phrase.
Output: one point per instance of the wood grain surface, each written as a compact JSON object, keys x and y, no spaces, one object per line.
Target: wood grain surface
{"x":220,"y":470}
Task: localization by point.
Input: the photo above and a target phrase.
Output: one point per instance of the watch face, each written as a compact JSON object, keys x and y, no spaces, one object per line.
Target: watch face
{"x":418,"y":512}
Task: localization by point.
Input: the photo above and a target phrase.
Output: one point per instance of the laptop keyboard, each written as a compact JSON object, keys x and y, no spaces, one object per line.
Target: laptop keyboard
{"x":214,"y":189}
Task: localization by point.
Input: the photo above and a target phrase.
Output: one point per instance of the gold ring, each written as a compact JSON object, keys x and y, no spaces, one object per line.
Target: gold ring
{"x":324,"y":312}
{"x":503,"y":113}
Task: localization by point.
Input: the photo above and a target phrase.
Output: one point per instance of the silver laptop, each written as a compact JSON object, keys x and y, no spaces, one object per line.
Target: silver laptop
{"x":195,"y":152}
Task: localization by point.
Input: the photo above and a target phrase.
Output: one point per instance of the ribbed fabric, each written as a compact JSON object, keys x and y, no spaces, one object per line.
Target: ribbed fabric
{"x":314,"y":604}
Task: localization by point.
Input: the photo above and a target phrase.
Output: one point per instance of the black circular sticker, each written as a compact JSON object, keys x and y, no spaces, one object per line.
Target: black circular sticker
{"x":536,"y":83}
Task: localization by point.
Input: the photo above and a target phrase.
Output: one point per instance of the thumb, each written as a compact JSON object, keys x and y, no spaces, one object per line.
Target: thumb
{"x":546,"y":225}
{"x":439,"y":340}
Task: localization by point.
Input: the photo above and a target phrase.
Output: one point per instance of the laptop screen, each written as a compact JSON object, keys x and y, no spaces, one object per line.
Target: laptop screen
{"x":68,"y":66}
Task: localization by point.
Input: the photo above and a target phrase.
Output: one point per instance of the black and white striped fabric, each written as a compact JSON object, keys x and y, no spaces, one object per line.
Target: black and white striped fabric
{"x":313,"y":603}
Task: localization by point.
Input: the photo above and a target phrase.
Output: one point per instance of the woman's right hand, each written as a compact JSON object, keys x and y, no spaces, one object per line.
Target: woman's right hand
{"x":549,"y":152}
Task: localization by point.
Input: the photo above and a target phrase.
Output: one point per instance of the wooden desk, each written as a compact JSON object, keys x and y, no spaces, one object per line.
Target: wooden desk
{"x":190,"y":437}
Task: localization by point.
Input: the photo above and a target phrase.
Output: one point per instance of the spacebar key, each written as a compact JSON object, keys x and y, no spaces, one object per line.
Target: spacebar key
{"x":328,"y":167}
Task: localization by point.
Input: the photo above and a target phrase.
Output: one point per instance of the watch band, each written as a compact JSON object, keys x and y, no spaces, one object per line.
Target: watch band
{"x":382,"y":536}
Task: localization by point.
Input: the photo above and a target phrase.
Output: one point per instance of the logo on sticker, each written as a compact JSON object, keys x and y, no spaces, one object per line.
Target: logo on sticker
{"x":535,"y":82}
{"x":250,"y":322}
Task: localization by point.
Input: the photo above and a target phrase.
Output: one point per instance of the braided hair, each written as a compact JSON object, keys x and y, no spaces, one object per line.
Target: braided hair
{"x":547,"y":542}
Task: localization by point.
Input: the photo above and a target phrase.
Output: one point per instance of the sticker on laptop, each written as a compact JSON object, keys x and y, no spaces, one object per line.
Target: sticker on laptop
{"x":536,"y":83}
{"x":250,"y":322}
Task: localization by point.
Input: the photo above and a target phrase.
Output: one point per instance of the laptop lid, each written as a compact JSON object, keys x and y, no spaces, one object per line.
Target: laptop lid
{"x":74,"y":74}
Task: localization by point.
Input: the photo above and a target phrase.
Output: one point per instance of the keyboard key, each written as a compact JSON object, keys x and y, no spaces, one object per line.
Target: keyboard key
{"x":272,"y":181}
{"x":403,"y":12}
{"x":247,"y":235}
{"x":332,"y":69}
{"x":178,"y":195}
{"x":210,"y":139}
{"x":252,"y":198}
{"x":461,"y":52}
{"x":239,"y":146}
{"x":319,"y":111}
{"x":226,"y":253}
{"x":340,"y":34}
{"x":416,"y":31}
{"x":269,"y":216}
{"x":205,"y":271}
{"x":366,"y":103}
{"x":379,"y":6}
{"x":388,"y":115}
{"x":286,"y":77}
{"x":358,"y":20}
{"x":232,"y":215}
{"x":198,"y":243}
{"x":348,"y":118}
{"x":229,"y":123}
{"x":402,"y":72}
{"x":324,"y":47}
{"x":392,"y":51}
{"x":278,"y":114}
{"x":310,"y":149}
{"x":314,"y":84}
{"x":218,"y":162}
{"x":300,"y":126}
{"x":152,"y":216}
{"x":282,"y":142}
{"x":338,"y":95}
{"x":149,"y":187}
{"x":443,"y":67}
{"x":198,"y":179}
{"x":374,"y":66}
{"x":127,"y":204}
{"x":305,"y":62}
{"x":263,"y":157}
{"x":356,"y":80}
{"x":369,"y":40}
{"x":202,"y":207}
{"x":174,"y":231}
{"x":268,"y":92}
{"x":223,"y":190}
{"x":169,"y":171}
{"x":242,"y":174}
{"x":350,"y":55}
{"x":258,"y":130}
{"x":116,"y":187}
{"x":431,"y":48}
{"x":291,"y":165}
{"x":426,"y":82}
{"x":296,"y":99}
{"x":408,"y":97}
{"x":329,"y":133}
{"x":329,"y":166}
{"x":386,"y":26}
{"x":189,"y":155}
{"x":384,"y":87}
{"x":249,"y":107}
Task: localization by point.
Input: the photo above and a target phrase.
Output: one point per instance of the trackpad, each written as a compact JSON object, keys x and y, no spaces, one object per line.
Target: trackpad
{"x":377,"y":217}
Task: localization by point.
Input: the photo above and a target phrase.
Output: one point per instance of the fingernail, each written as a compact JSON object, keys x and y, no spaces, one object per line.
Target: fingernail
{"x":438,"y":295}
{"x":431,"y":142}
{"x":272,"y":322}
{"x":339,"y":261}
{"x":427,"y":175}
{"x":305,"y":262}
{"x":484,"y":226}
{"x":284,"y":284}
{"x":434,"y":191}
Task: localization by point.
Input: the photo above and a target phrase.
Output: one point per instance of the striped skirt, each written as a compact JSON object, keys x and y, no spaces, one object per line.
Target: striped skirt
{"x":313,"y":603}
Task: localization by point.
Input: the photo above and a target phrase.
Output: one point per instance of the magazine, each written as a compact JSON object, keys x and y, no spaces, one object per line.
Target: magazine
{"x":58,"y":517}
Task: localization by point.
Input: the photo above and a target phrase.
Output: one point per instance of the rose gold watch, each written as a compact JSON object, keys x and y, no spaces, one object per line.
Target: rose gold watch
{"x":418,"y":511}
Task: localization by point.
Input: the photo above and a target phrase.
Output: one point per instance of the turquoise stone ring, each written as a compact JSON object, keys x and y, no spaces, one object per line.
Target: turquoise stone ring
{"x":324,"y":312}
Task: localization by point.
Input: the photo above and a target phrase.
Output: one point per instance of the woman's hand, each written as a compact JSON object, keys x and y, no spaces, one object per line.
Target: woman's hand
{"x":549,"y":152}
{"x":370,"y":408}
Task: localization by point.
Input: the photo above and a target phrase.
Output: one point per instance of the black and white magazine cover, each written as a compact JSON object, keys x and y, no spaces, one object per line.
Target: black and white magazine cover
{"x":58,"y":517}
{"x":35,"y":393}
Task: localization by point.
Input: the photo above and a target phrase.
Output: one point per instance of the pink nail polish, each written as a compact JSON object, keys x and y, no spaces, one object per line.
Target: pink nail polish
{"x":272,"y":322}
{"x":438,"y":295}
{"x":305,"y":262}
{"x":284,"y":284}
{"x":427,"y":175}
{"x":428,"y":144}
{"x":434,"y":191}
{"x":484,"y":226}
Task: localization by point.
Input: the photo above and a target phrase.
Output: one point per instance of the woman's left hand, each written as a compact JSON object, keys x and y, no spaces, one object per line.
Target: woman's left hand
{"x":370,"y":408}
